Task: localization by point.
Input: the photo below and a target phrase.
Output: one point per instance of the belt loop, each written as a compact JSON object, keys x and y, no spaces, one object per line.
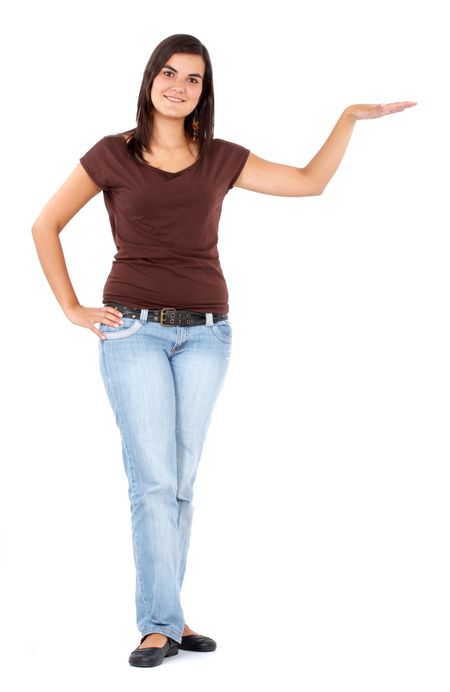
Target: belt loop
{"x":143,"y":316}
{"x":209,"y":319}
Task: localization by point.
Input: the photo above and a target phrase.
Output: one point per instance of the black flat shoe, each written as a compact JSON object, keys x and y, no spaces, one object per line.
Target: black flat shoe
{"x":152,"y":656}
{"x":197,"y":642}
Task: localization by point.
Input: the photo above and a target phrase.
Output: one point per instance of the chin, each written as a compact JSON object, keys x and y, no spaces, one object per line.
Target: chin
{"x":172,"y":110}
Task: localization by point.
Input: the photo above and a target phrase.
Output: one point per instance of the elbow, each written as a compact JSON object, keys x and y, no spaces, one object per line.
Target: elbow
{"x":317,"y":191}
{"x":320,"y":187}
{"x":310,"y":191}
{"x":311,"y":186}
{"x":38,"y":229}
{"x":42,"y":235}
{"x":36,"y":232}
{"x":37,"y":225}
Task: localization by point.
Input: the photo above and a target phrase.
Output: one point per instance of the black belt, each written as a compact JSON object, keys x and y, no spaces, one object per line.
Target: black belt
{"x":168,"y":317}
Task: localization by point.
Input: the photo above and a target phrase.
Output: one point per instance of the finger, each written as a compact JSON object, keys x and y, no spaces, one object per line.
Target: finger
{"x":111,"y":316}
{"x":387,"y":109}
{"x":98,"y":332}
{"x":404,"y":104}
{"x":398,"y":106}
{"x":113,"y":311}
{"x":112,"y":321}
{"x":107,"y":315}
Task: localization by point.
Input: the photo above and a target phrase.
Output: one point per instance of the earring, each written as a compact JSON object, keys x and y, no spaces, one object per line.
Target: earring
{"x":195,"y":127}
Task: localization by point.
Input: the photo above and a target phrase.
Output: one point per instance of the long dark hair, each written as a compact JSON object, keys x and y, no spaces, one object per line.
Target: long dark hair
{"x":142,"y":134}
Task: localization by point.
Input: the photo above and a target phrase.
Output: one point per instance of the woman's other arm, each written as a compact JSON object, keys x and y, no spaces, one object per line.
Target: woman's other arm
{"x":271,"y":178}
{"x":73,"y":194}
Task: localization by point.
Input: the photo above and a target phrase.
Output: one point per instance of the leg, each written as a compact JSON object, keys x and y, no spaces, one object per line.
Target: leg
{"x":139,"y":383}
{"x":199,"y":368}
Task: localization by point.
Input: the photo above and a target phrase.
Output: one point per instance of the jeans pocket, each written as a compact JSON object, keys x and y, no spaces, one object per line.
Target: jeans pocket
{"x":129,"y":326}
{"x":223,"y":331}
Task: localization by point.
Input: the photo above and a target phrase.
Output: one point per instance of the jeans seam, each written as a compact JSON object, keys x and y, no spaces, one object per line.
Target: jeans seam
{"x":124,"y":333}
{"x":215,"y":333}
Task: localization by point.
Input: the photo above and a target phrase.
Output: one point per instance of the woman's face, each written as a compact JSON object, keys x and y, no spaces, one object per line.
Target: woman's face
{"x":177,"y":88}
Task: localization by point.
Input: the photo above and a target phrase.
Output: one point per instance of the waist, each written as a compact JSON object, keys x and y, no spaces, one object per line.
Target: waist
{"x":169,"y":317}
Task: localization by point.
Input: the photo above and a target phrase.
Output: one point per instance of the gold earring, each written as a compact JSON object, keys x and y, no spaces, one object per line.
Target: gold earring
{"x":195,"y":127}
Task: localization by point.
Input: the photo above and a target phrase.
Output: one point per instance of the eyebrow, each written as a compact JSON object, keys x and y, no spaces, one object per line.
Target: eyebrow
{"x":192,"y":74}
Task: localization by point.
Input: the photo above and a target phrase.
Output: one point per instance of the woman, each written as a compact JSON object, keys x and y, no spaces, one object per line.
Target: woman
{"x":164,"y":334}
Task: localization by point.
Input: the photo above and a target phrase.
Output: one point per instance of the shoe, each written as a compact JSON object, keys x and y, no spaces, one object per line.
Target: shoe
{"x":152,"y":656}
{"x":197,"y":642}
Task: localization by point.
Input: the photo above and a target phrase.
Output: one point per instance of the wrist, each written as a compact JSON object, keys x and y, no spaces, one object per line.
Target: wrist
{"x":349,"y":113}
{"x":69,"y":307}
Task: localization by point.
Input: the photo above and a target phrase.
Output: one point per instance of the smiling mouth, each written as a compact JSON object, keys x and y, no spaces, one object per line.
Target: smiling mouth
{"x":174,"y":99}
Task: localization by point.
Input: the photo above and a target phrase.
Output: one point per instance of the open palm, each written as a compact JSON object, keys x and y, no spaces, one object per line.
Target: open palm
{"x":363,"y":111}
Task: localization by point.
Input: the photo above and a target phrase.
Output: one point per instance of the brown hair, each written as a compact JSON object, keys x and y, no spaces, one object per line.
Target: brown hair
{"x":142,"y":134}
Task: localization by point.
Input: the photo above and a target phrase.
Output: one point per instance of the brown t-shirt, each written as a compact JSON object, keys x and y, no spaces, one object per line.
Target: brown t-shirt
{"x":165,"y":225}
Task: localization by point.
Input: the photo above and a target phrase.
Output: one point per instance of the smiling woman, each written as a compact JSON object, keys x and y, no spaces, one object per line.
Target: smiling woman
{"x":178,"y":75}
{"x":178,"y":84}
{"x":175,"y":93}
{"x":163,"y":184}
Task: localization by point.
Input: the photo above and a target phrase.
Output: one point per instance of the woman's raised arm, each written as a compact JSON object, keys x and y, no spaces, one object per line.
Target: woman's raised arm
{"x":271,"y":178}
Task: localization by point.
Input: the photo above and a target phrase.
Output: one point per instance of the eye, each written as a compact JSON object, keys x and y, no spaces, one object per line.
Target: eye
{"x":167,"y":73}
{"x":193,"y":80}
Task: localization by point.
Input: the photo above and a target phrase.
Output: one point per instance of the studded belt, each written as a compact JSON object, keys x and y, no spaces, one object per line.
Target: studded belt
{"x":169,"y":317}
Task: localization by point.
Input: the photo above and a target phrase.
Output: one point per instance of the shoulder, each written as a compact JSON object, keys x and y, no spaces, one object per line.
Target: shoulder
{"x":224,"y":150}
{"x":109,"y":147}
{"x":104,"y":160}
{"x":106,"y":142}
{"x":225,"y":161}
{"x":115,"y":138}
{"x":226,"y":145}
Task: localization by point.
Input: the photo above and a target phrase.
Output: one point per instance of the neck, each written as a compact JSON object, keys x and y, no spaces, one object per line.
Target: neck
{"x":168,"y":133}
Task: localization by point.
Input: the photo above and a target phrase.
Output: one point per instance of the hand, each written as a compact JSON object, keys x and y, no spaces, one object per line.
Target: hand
{"x":87,"y":317}
{"x":363,"y":111}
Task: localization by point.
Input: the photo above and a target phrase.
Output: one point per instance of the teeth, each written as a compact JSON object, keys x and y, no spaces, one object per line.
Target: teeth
{"x":173,"y":98}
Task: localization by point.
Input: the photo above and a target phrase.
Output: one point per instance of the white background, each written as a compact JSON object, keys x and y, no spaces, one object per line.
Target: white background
{"x":319,"y":555}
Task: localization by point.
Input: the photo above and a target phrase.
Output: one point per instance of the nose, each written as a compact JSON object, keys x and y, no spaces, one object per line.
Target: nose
{"x":178,"y":83}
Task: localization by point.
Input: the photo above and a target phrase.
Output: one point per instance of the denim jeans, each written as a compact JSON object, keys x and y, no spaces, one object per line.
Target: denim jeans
{"x":162,"y":383}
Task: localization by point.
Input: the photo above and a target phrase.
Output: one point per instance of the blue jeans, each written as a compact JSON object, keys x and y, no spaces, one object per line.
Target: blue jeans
{"x":162,"y":383}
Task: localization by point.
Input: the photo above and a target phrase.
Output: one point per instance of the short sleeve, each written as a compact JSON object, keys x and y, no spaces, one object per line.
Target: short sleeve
{"x":95,"y":163}
{"x":230,"y":159}
{"x":237,"y":157}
